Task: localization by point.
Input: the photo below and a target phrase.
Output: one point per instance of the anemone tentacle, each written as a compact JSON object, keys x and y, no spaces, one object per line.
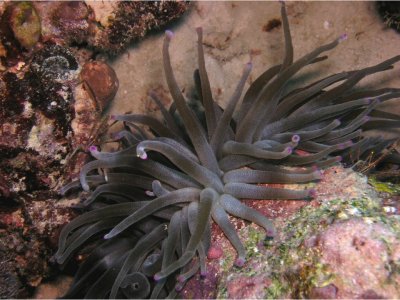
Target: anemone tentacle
{"x":221,"y":218}
{"x":182,"y":161}
{"x":223,"y":124}
{"x":195,"y":131}
{"x":258,"y":176}
{"x":148,"y":242}
{"x":151,"y":122}
{"x":308,"y":134}
{"x":205,"y":88}
{"x":168,"y":118}
{"x":236,"y":148}
{"x":182,"y":196}
{"x":207,"y":197}
{"x":250,"y":191}
{"x":250,"y":123}
{"x":238,"y":209}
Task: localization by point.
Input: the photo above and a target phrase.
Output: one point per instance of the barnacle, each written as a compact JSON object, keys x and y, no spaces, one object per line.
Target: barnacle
{"x":52,"y":71}
{"x":154,"y":199}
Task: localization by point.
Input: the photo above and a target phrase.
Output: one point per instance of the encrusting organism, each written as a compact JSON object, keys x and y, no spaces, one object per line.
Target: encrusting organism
{"x":147,"y":229}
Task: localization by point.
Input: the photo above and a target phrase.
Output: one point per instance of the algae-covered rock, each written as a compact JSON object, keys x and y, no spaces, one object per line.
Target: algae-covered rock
{"x":346,"y":246}
{"x":25,"y":24}
{"x":341,"y":249}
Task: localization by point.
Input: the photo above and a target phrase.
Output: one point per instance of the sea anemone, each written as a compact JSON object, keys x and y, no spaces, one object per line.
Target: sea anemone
{"x":151,"y":203}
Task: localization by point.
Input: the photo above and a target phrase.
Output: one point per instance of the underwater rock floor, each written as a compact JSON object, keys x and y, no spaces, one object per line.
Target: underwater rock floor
{"x":236,"y":32}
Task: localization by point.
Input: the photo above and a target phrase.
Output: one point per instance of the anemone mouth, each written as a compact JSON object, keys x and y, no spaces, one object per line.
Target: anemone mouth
{"x":152,"y":202}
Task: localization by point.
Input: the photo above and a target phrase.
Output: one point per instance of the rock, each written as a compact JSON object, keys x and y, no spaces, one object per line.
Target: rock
{"x":326,"y":292}
{"x":363,"y":256}
{"x":73,"y":21}
{"x":25,"y":24}
{"x":54,"y":289}
{"x":10,"y":284}
{"x":247,"y":287}
{"x":129,"y":21}
{"x":343,"y":244}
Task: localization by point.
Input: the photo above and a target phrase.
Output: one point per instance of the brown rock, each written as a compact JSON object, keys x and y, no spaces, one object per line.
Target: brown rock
{"x":71,"y":18}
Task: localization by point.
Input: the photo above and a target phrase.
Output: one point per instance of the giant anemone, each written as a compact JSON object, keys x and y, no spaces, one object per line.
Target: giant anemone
{"x":146,"y":230}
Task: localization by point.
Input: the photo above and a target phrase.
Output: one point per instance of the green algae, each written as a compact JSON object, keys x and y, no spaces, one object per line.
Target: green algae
{"x":384,"y":187}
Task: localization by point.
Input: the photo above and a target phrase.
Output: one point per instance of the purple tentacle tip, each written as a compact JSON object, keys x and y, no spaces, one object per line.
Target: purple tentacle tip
{"x":180,"y":278}
{"x":140,"y":152}
{"x":203,"y":273}
{"x":343,"y":37}
{"x":149,"y":193}
{"x":318,"y":173}
{"x":288,"y":150}
{"x":271,"y":233}
{"x":295,"y":138}
{"x":178,"y":287}
{"x":92,"y":148}
{"x":157,"y":277}
{"x":239,"y":262}
{"x":373,"y":101}
{"x":169,"y":34}
{"x":113,"y":117}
